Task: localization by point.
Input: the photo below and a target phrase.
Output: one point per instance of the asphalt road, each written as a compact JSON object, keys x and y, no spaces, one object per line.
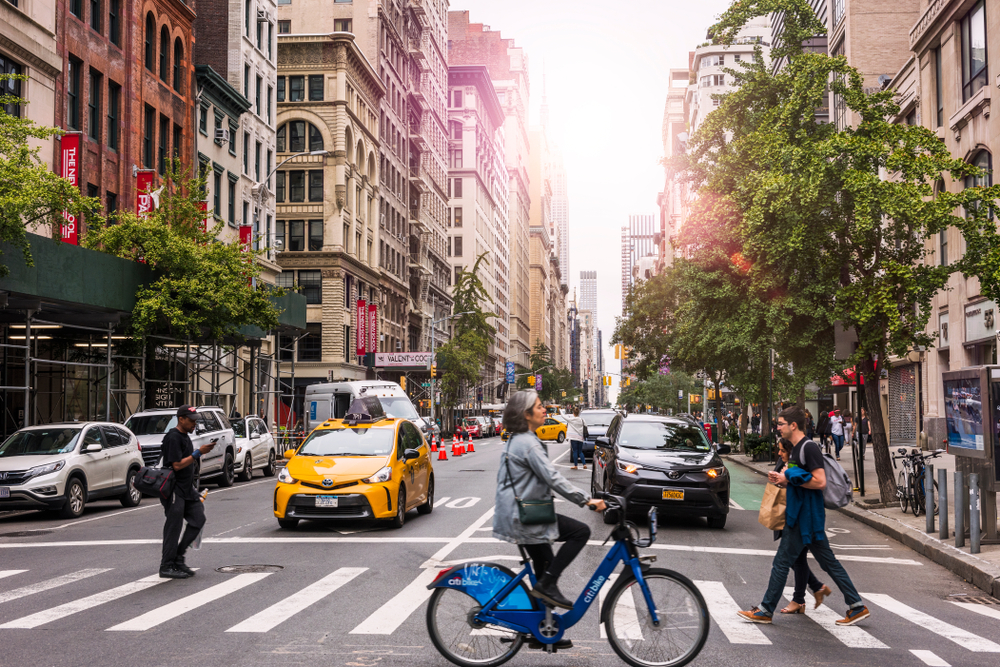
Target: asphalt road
{"x":86,"y":591}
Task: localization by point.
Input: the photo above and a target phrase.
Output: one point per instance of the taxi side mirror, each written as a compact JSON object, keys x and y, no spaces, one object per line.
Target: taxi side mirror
{"x":289,"y":453}
{"x":410,"y":454}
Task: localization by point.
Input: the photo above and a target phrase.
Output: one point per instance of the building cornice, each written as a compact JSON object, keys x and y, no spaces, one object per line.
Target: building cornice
{"x":226,"y":97}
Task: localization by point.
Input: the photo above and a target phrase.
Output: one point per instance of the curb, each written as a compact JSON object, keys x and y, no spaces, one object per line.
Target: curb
{"x":980,"y":573}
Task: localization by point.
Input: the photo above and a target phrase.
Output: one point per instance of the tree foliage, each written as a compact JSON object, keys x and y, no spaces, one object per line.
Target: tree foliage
{"x":661,"y":392}
{"x":555,"y":380}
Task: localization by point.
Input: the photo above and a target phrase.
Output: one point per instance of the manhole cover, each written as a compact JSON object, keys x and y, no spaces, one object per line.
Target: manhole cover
{"x":247,"y":569}
{"x":972,"y":599}
{"x":25,"y":533}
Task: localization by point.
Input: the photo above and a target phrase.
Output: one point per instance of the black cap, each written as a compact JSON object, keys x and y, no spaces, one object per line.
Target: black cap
{"x":187,"y":411}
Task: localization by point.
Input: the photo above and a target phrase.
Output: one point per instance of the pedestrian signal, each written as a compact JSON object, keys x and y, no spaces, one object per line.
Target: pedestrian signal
{"x":402,"y":382}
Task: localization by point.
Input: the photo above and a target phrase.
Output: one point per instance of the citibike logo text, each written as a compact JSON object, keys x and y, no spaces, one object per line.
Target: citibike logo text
{"x":595,"y":586}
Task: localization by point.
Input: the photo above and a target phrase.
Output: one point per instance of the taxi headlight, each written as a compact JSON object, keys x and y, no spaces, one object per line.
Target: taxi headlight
{"x":715,"y":472}
{"x":383,"y":475}
{"x":46,"y":469}
{"x":285,"y":477}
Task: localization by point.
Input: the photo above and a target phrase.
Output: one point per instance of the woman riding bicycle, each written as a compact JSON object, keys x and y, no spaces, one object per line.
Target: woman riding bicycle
{"x":528,"y":474}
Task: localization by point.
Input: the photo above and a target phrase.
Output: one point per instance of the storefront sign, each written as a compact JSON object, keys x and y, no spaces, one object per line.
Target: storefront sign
{"x":143,"y":186}
{"x":361,"y":337}
{"x":70,"y":147}
{"x":403,"y":360}
{"x":943,"y":331}
{"x":372,"y":328}
{"x":980,"y":321}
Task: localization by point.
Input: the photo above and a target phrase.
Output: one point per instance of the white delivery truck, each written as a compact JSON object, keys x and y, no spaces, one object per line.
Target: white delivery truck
{"x":331,"y":400}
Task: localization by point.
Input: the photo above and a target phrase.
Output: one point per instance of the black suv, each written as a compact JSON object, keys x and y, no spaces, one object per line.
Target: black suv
{"x":662,"y":461}
{"x":595,"y":425}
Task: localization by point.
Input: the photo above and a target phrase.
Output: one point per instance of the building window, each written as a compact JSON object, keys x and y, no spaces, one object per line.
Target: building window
{"x":164,"y":138}
{"x":94,"y":106}
{"x":111,"y":202}
{"x":284,"y":27}
{"x":279,"y":241}
{"x":455,"y":158}
{"x":270,"y":94}
{"x":343,"y":25}
{"x":279,"y":139}
{"x":456,"y":129}
{"x":348,"y":343}
{"x":164,"y":55}
{"x":296,"y":186}
{"x":114,"y":22}
{"x":203,"y":120}
{"x":246,"y":153}
{"x":114,"y":113}
{"x":279,"y":187}
{"x":246,"y":16}
{"x":96,"y":15}
{"x":316,"y":88}
{"x":11,"y":87}
{"x":76,"y":8}
{"x":315,"y":235}
{"x":311,"y":286}
{"x":148,"y":45}
{"x":246,"y":81}
{"x":281,"y":89}
{"x":246,"y":221}
{"x":267,"y":167}
{"x":296,"y":238}
{"x":984,"y":161}
{"x":73,"y":94}
{"x":943,"y":239}
{"x":178,"y":70}
{"x":458,"y":217}
{"x":316,"y":185}
{"x":217,"y":194}
{"x":257,"y":95}
{"x":147,"y":137}
{"x":232,"y":202}
{"x":260,"y":36}
{"x":256,"y":161}
{"x":458,"y":101}
{"x":232,"y":139}
{"x":296,"y":88}
{"x":938,"y":87}
{"x":458,"y":188}
{"x":973,"y":50}
{"x":311,"y":345}
{"x":177,"y":141}
{"x":458,"y":246}
{"x":458,"y":273}
{"x":270,"y":41}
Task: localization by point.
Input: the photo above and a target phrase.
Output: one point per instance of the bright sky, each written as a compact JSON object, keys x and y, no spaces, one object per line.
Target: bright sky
{"x":606,"y":69}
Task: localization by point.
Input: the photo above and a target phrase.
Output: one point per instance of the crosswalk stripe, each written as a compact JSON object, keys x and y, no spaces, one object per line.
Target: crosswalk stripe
{"x":392,"y":614}
{"x":281,"y":611}
{"x":929,"y":658}
{"x":723,"y":608}
{"x":441,"y":501}
{"x":979,"y":609}
{"x":76,"y":606}
{"x":167,"y":612}
{"x":849,"y":635}
{"x":10,"y":573}
{"x":959,"y":636}
{"x":49,"y":584}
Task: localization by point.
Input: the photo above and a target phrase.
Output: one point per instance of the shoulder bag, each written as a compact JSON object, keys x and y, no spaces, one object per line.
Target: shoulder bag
{"x":530,"y":512}
{"x":158,"y":482}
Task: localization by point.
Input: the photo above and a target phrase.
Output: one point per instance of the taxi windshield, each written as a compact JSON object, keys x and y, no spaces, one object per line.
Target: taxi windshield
{"x":349,"y":442}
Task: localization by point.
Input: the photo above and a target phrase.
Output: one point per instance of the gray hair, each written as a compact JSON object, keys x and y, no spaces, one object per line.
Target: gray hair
{"x":517,"y":405}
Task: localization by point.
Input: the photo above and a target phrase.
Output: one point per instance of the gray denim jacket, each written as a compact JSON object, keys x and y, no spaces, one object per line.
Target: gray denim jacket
{"x":535,"y":478}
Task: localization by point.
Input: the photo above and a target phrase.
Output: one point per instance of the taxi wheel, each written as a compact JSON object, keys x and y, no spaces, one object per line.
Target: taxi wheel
{"x":400,"y":518}
{"x":562,"y":437}
{"x":428,"y":506}
{"x":288,"y":524}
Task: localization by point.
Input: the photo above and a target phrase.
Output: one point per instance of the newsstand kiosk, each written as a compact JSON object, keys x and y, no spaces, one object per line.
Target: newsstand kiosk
{"x":972,"y":411}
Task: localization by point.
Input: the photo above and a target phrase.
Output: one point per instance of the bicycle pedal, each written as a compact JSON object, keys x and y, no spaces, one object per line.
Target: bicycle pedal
{"x":647,"y":559}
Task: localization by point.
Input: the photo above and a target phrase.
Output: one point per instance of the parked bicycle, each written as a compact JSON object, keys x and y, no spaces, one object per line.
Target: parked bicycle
{"x":480,"y":614}
{"x":910,"y":484}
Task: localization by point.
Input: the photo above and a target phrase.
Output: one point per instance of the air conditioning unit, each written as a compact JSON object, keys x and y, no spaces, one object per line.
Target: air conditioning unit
{"x":221,"y":135}
{"x":261,"y":16}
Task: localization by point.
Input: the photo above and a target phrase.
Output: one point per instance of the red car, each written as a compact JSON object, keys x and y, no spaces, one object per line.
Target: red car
{"x":471,"y":427}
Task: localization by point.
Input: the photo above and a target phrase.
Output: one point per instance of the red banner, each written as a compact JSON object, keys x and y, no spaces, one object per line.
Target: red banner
{"x":362,"y":336}
{"x":373,"y":328}
{"x":246,"y":236}
{"x":143,"y":184}
{"x":70,"y":148}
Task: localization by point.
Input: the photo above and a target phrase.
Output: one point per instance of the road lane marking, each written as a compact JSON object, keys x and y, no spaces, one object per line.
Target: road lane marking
{"x":10,"y":573}
{"x":732,"y":551}
{"x":89,"y":602}
{"x":392,"y":614}
{"x":723,"y":608}
{"x":734,"y":505}
{"x":985,"y":610}
{"x":170,"y":611}
{"x":929,"y":658}
{"x":441,"y":501}
{"x":281,"y":611}
{"x":49,"y":584}
{"x":462,"y":503}
{"x":959,"y":636}
{"x":850,"y":635}
{"x":466,"y":536}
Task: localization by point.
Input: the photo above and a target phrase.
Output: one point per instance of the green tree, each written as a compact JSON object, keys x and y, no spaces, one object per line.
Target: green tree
{"x":661,"y":392}
{"x":30,"y":193}
{"x":555,"y":381}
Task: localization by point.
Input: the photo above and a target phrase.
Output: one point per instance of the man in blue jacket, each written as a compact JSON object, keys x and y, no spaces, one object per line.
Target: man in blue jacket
{"x":805,"y":519}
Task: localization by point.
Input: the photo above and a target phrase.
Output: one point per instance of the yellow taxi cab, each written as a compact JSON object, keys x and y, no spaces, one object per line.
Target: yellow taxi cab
{"x":552,"y":429}
{"x":364,"y":466}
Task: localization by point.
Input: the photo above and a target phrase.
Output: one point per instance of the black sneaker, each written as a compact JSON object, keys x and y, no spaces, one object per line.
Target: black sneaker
{"x":182,"y":566}
{"x":171,"y":572}
{"x":547,"y":591}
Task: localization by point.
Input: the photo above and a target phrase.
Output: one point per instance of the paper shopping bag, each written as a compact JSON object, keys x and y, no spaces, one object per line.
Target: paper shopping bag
{"x":772,"y":508}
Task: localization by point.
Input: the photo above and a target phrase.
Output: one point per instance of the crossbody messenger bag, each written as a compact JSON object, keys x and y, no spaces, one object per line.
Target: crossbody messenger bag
{"x":530,"y":512}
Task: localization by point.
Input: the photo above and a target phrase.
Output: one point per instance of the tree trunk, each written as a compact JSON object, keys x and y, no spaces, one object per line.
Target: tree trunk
{"x":743,"y":421}
{"x":880,"y":440}
{"x":802,"y":398}
{"x":717,"y":381}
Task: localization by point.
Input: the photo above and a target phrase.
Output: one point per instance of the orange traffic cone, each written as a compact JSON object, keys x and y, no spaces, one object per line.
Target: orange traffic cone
{"x":442,"y":454}
{"x":434,"y":446}
{"x":454,"y":447}
{"x":471,"y":448}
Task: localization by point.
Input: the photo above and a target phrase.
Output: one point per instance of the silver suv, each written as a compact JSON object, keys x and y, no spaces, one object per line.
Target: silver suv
{"x":61,"y":467}
{"x":219,"y":464}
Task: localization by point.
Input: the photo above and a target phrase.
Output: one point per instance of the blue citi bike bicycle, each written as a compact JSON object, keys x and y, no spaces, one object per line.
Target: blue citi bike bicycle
{"x":480,"y":613}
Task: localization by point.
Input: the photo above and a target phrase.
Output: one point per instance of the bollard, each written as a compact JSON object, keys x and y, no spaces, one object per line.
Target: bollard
{"x":929,"y":496}
{"x":974,"y":516}
{"x":943,"y":504}
{"x":959,"y":510}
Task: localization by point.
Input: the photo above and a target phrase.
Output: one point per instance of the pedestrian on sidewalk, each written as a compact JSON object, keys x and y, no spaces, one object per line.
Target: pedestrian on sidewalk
{"x":823,"y":430}
{"x":810,"y":425}
{"x":805,"y":523}
{"x":837,"y":431}
{"x":755,"y":422}
{"x":864,"y":434}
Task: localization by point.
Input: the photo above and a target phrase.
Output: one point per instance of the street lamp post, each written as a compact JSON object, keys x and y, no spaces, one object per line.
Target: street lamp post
{"x":433,"y":342}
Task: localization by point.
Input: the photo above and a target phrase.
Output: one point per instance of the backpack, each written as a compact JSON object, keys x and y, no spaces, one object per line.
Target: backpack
{"x":838,"y":491}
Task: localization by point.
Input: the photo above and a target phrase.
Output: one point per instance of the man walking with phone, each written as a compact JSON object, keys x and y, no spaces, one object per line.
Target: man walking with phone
{"x":185,"y":504}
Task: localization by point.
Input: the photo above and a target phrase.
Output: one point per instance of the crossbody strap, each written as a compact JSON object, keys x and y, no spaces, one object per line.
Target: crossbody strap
{"x":510,"y":477}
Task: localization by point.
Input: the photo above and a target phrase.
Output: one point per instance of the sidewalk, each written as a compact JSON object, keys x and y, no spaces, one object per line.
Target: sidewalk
{"x":982,"y":569}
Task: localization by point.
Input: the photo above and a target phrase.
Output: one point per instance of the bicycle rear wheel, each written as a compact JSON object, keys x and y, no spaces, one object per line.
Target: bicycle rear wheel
{"x":681,"y":610}
{"x":919,"y":500}
{"x":903,"y":490}
{"x":458,"y":638}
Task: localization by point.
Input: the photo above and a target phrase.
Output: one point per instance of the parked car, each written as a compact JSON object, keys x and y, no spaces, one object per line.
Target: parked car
{"x":485,"y":427}
{"x":255,"y":448}
{"x":662,"y":461}
{"x":211,"y":422}
{"x":472,"y":427}
{"x":595,"y":425}
{"x":427,"y":427}
{"x":552,"y":429}
{"x":61,"y":467}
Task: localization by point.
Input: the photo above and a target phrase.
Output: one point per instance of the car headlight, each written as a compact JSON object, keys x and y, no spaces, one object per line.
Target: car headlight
{"x":628,"y":467}
{"x":285,"y":477}
{"x":383,"y":475}
{"x":46,"y":469}
{"x":715,"y":472}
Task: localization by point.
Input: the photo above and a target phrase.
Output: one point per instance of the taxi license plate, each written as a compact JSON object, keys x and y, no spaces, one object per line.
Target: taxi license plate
{"x":4,"y":492}
{"x":669,"y":494}
{"x":326,"y":501}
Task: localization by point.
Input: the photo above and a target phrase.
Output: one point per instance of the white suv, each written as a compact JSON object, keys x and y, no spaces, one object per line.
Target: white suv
{"x":210,"y":423}
{"x":61,"y":467}
{"x":255,"y":447}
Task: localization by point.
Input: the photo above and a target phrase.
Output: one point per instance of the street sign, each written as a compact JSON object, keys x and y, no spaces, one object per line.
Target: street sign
{"x":510,"y":372}
{"x":425,"y":384}
{"x":680,"y":394}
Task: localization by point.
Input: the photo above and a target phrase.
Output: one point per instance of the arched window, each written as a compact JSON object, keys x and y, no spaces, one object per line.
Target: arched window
{"x":984,"y":161}
{"x":315,"y":139}
{"x":164,"y":54}
{"x":150,"y":31}
{"x":292,"y":136}
{"x":280,"y":140}
{"x":178,"y":60}
{"x":360,"y":158}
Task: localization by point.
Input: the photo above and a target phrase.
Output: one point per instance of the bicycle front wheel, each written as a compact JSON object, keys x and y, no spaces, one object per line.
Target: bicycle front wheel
{"x":903,"y":491}
{"x":458,"y":638}
{"x":917,"y":495}
{"x":680,"y":608}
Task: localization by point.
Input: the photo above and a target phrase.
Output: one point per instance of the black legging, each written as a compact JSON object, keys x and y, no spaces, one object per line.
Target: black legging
{"x":803,"y":576}
{"x":573,"y":533}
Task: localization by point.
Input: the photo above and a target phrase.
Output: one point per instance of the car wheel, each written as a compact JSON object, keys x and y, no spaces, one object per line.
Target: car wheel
{"x":247,"y":473}
{"x":428,"y":506}
{"x":562,"y":437}
{"x":610,"y":516}
{"x":717,"y":522}
{"x":288,"y":524}
{"x":271,"y":467}
{"x":132,"y":496}
{"x":228,"y":471}
{"x":400,"y":518}
{"x":76,"y":500}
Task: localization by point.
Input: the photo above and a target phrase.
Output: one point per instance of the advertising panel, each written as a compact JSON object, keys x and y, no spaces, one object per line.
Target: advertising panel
{"x":963,"y":407}
{"x":143,"y":198}
{"x":510,"y":372}
{"x":361,"y":338}
{"x":70,"y":148}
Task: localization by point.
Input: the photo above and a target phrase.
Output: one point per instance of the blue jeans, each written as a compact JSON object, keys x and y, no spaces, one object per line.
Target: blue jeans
{"x":788,"y":552}
{"x":576,"y":452}
{"x":838,"y":443}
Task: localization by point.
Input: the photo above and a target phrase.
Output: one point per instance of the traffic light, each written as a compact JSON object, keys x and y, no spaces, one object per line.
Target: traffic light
{"x":402,"y":382}
{"x":531,"y":380}
{"x":618,"y":351}
{"x":711,"y":394}
{"x":625,"y":351}
{"x":434,"y":370}
{"x":564,"y":394}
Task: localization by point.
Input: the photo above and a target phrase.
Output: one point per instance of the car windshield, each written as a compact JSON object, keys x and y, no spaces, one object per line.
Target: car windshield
{"x":471,"y":421}
{"x":349,"y":442}
{"x":597,"y":418}
{"x":663,"y":435}
{"x":240,"y":428}
{"x":398,"y":407}
{"x":151,"y":424}
{"x":40,"y":442}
